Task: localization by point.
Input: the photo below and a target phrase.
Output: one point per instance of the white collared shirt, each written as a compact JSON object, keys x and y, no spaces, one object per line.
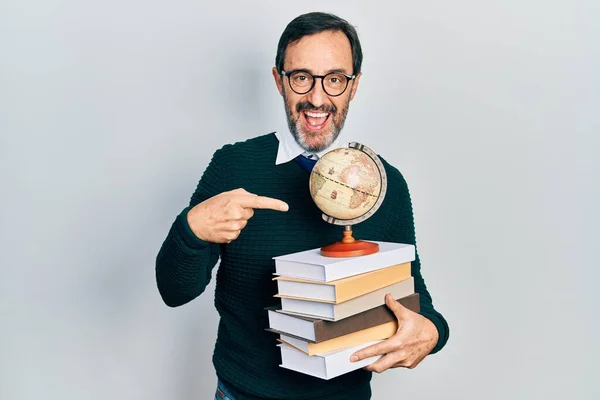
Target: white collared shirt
{"x":289,"y":149}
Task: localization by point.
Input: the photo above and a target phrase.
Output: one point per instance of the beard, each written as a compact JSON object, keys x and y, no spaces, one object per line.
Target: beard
{"x":302,"y":137}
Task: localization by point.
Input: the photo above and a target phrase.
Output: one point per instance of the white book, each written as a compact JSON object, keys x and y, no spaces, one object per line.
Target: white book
{"x":310,"y":264}
{"x":336,"y":312}
{"x":324,"y":366}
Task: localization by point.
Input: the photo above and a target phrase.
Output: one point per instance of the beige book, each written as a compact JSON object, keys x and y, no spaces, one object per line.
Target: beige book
{"x":379,"y":332}
{"x":336,"y":312}
{"x":343,"y":289}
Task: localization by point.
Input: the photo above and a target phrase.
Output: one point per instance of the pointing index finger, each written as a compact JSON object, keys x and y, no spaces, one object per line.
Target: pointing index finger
{"x":263,"y":202}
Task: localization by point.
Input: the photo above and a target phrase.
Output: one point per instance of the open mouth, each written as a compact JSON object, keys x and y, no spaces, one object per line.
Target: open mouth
{"x":315,"y":120}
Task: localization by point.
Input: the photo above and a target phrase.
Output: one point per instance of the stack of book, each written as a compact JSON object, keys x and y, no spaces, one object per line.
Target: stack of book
{"x":332,"y":307}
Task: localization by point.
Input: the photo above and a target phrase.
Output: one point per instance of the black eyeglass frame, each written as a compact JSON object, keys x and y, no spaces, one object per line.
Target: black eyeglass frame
{"x":314,"y":80}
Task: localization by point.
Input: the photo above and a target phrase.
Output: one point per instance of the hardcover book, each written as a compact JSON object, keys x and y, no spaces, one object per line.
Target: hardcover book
{"x":324,"y":366}
{"x":343,"y":289}
{"x":310,"y":264}
{"x":336,"y":312}
{"x":318,"y":330}
{"x":379,"y":332}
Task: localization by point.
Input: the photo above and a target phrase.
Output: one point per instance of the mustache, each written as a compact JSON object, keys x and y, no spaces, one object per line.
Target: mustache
{"x":307,"y":106}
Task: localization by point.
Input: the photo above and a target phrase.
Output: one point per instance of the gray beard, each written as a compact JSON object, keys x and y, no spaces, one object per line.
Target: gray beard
{"x":293,"y":127}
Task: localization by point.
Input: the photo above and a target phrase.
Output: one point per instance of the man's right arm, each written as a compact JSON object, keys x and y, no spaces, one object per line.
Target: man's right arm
{"x":215,"y":216}
{"x":184,"y":262}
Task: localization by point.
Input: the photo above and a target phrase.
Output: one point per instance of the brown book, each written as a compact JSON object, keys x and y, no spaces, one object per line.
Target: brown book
{"x":317,"y":330}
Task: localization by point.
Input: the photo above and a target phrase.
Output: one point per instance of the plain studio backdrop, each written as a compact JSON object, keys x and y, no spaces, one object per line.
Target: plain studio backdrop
{"x":110,"y":112}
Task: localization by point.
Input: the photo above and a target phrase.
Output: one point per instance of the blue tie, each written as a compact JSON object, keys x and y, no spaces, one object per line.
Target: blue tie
{"x":305,"y":162}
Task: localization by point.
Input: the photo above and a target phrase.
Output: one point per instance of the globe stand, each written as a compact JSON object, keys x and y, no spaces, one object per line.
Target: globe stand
{"x":349,"y":247}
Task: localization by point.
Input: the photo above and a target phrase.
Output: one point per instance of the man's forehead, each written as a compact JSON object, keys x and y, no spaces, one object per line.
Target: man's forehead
{"x":320,"y":53}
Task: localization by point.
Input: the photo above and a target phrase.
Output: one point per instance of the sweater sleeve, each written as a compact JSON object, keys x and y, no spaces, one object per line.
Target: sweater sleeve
{"x":185,"y":262}
{"x":402,"y":229}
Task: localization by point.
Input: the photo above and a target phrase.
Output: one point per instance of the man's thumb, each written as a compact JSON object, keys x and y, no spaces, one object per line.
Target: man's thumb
{"x":398,"y":309}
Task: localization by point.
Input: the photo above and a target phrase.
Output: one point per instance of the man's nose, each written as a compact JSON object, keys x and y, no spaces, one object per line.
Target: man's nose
{"x":317,"y":95}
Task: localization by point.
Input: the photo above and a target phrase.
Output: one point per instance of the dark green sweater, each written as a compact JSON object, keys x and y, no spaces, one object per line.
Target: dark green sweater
{"x":246,"y":357}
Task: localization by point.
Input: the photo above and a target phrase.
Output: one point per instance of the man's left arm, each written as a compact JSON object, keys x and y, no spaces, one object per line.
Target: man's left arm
{"x":419,"y":334}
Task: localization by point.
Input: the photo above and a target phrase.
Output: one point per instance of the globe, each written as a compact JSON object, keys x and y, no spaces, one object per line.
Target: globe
{"x":348,"y":185}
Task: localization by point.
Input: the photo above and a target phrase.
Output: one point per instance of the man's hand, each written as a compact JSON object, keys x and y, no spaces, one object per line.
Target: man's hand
{"x":415,"y":338}
{"x":221,"y":218}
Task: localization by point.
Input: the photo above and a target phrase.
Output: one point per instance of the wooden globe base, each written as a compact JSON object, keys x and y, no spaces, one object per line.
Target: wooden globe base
{"x":349,"y":247}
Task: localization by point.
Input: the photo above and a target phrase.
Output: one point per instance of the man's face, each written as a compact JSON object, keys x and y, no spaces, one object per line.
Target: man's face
{"x":315,"y":119}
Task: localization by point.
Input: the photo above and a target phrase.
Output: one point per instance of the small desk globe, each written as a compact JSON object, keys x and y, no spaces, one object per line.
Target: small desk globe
{"x":348,"y":185}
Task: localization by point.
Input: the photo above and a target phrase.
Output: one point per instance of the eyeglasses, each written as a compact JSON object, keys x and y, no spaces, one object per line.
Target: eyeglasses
{"x":302,"y":82}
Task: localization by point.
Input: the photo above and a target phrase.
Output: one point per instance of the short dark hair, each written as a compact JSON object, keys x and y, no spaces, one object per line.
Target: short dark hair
{"x":316,"y":22}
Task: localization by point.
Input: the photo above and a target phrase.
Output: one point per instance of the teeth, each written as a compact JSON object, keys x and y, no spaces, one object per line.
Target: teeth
{"x":316,"y":115}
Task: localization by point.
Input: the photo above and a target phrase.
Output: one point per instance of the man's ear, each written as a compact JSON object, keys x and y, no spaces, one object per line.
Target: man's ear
{"x":354,"y":87}
{"x":278,"y":81}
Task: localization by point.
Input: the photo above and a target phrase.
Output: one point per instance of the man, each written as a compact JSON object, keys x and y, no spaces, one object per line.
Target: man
{"x":252,"y":203}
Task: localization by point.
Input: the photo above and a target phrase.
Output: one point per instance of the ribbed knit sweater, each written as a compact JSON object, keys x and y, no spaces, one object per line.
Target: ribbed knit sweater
{"x":246,"y":357}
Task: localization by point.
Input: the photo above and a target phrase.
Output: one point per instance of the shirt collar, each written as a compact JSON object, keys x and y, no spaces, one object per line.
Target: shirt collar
{"x":290,"y":149}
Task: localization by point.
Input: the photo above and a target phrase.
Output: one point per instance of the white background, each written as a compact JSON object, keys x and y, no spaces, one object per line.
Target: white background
{"x":110,"y":111}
